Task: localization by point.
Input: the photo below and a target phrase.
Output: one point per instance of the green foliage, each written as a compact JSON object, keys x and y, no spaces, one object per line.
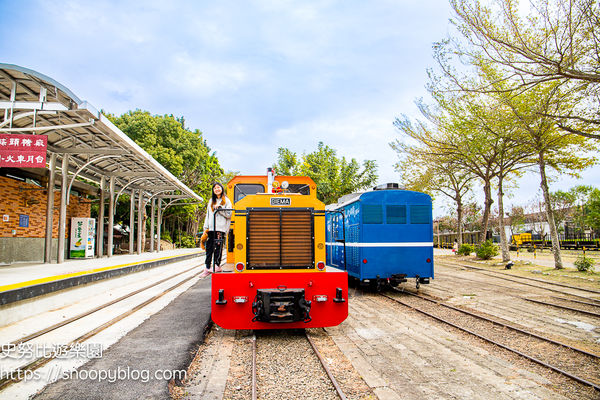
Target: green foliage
{"x":166,"y":236}
{"x":486,"y":250}
{"x":333,"y":176}
{"x":584,"y":263}
{"x":465,"y":250}
{"x":181,"y":151}
{"x":187,"y":241}
{"x":593,"y":211}
{"x":533,"y":49}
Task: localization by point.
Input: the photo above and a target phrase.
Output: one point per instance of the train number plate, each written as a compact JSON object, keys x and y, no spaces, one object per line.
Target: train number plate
{"x":281,"y":201}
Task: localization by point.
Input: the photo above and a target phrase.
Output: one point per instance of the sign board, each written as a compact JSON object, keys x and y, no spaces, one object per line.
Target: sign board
{"x":83,"y":231}
{"x":23,"y":221}
{"x":23,"y":151}
{"x":281,"y":201}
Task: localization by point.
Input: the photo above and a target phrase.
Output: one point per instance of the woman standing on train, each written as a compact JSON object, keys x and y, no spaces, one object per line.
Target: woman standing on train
{"x":216,"y":230}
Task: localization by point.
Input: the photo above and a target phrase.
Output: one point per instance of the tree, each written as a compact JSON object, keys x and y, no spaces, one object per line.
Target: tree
{"x":333,"y":176}
{"x":434,"y":173}
{"x":557,"y":150}
{"x":516,"y":219}
{"x":287,"y":162}
{"x":559,"y":41}
{"x":460,"y":135}
{"x":562,"y":204}
{"x":593,"y":213}
{"x":183,"y":152}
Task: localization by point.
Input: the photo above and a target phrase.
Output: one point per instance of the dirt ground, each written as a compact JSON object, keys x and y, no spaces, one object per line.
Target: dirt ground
{"x":400,"y":354}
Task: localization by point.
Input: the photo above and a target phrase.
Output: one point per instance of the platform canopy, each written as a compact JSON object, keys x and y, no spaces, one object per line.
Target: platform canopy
{"x":32,"y":103}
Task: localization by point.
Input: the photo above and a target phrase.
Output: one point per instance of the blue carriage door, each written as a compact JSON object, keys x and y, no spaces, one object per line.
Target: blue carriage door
{"x":328,"y":238}
{"x":338,"y":238}
{"x":372,"y":232}
{"x":422,"y":228}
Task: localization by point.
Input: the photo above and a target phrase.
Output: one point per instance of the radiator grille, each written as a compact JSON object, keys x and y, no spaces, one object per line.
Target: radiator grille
{"x":279,"y":238}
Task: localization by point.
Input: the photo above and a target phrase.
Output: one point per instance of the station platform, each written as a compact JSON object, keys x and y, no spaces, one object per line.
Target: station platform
{"x":24,"y":281}
{"x":167,"y":341}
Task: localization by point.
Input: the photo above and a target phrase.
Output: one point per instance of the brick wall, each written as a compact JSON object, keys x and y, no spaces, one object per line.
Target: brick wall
{"x":33,"y":203}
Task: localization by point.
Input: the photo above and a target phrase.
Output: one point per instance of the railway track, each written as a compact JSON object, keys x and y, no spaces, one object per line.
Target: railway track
{"x":289,"y":348}
{"x":521,"y":279}
{"x":37,"y":363}
{"x":576,"y":364}
{"x":591,"y":309}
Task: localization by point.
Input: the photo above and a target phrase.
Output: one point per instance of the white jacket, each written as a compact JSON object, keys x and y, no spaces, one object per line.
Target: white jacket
{"x":223,"y":217}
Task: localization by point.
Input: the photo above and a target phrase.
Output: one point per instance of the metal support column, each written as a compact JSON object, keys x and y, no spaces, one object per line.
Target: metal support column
{"x":152,"y":210}
{"x":131,"y":220}
{"x":158,"y":225}
{"x":100,"y":225}
{"x":111,"y":216}
{"x":140,"y":222}
{"x":62,"y":218}
{"x":50,"y":210}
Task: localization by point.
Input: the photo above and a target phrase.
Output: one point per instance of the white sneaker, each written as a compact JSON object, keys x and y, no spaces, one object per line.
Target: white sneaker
{"x":205,"y":273}
{"x":219,"y":269}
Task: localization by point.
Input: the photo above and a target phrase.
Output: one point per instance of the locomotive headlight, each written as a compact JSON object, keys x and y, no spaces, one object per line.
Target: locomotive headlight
{"x":320,"y":298}
{"x":285,"y":184}
{"x":320,"y":265}
{"x":239,"y":267}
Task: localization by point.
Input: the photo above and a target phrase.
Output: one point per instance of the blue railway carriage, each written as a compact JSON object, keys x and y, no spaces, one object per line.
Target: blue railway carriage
{"x":382,"y":237}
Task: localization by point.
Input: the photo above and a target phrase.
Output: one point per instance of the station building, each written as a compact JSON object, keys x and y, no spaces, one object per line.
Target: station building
{"x":58,"y":156}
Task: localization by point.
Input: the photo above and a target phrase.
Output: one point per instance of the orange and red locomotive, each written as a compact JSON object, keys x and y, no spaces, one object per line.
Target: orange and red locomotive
{"x":277,"y":277}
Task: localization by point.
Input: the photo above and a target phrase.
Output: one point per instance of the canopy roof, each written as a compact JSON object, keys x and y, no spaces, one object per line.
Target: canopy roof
{"x":34,"y":103}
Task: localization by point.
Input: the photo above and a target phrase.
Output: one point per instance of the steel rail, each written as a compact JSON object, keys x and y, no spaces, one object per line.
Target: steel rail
{"x":527,"y":278}
{"x":593,"y":314}
{"x":38,"y":363}
{"x":577,"y":301}
{"x":462,"y":278}
{"x":332,"y":379}
{"x":254,"y":391}
{"x":86,"y":313}
{"x":503,"y":276}
{"x":514,"y":328}
{"x":540,"y":362}
{"x":337,"y":387}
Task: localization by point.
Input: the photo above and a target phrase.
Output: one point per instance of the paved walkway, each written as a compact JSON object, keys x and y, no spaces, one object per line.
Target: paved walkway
{"x":167,"y":341}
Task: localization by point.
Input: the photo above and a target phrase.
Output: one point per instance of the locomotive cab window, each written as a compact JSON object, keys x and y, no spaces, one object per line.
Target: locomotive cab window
{"x":244,"y":189}
{"x":395,"y":214}
{"x":372,"y":214}
{"x":300,"y":188}
{"x":420,"y":214}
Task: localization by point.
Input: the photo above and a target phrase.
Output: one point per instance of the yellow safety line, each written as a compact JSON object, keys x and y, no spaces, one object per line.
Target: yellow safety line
{"x":13,"y":286}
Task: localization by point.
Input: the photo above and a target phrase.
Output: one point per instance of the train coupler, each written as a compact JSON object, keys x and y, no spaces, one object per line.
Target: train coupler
{"x":279,"y":306}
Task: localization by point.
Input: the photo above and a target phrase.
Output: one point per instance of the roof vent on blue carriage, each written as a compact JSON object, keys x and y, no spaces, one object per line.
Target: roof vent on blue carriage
{"x":388,"y":186}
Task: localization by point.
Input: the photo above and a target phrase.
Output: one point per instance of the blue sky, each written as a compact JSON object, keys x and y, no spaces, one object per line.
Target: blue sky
{"x":251,"y":75}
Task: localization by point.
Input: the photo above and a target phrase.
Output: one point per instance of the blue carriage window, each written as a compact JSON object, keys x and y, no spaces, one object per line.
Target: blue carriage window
{"x":395,"y":214}
{"x":420,"y":214}
{"x":372,"y":214}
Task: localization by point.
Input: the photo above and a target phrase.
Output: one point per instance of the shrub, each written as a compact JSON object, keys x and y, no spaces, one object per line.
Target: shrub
{"x":486,"y":250}
{"x":166,"y":236}
{"x":187,"y":241}
{"x":465,"y":249}
{"x":584,"y":263}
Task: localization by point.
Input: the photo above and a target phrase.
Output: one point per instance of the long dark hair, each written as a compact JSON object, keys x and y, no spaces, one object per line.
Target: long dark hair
{"x":214,"y":196}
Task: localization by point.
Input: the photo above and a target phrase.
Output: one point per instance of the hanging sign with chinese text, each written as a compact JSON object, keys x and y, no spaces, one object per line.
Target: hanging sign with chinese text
{"x":20,"y":151}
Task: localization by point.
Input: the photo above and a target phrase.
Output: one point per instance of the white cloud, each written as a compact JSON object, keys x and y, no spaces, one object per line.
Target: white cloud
{"x":203,"y":78}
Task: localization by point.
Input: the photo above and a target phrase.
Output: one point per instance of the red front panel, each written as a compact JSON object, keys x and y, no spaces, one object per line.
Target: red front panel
{"x":239,"y":316}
